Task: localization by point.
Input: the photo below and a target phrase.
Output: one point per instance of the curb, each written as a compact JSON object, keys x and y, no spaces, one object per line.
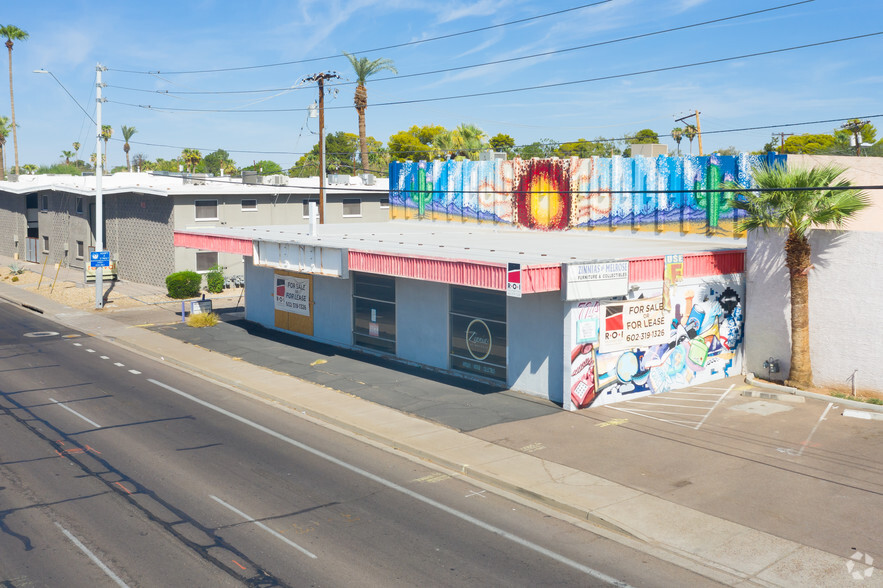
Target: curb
{"x":786,"y":392}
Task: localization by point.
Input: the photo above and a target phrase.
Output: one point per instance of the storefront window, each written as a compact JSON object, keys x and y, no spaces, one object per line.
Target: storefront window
{"x":478,"y":332}
{"x":374,"y":312}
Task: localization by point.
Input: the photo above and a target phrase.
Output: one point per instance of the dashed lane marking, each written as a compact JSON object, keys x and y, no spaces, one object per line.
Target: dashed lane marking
{"x":85,"y":418}
{"x":261,"y":525}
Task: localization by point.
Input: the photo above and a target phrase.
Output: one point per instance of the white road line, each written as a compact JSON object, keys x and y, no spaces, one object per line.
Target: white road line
{"x":92,"y":556}
{"x":724,"y":395}
{"x":88,"y":420}
{"x":90,"y":350}
{"x":813,"y":432}
{"x":78,"y":344}
{"x":392,"y":485}
{"x":104,"y":357}
{"x":263,"y":526}
{"x":688,"y":424}
{"x":136,"y":372}
{"x":118,"y":364}
{"x":679,"y":393}
{"x":669,"y":405}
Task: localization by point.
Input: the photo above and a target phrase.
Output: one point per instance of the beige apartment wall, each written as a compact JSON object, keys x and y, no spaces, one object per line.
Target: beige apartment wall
{"x":861,"y":171}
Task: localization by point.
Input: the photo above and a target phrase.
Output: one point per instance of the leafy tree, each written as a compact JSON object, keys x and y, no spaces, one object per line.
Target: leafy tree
{"x":770,"y":145}
{"x":4,"y":132}
{"x":501,"y":142}
{"x":808,"y":143}
{"x":340,"y":155}
{"x":644,"y":136}
{"x":798,"y":200}
{"x":13,"y":33}
{"x":127,"y":134}
{"x":265,"y":167}
{"x":427,"y":134}
{"x":582,"y":148}
{"x":731,"y":150}
{"x":542,"y":148}
{"x":219,"y":160}
{"x":404,"y":146}
{"x":364,"y":69}
{"x":191,"y":157}
{"x":60,"y":169}
{"x":677,"y":134}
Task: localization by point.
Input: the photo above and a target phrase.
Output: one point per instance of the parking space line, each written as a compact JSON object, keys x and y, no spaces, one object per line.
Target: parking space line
{"x":813,"y":432}
{"x":648,"y":406}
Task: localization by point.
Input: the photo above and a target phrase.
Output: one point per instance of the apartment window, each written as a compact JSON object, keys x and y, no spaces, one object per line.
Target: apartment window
{"x":80,"y":250}
{"x":206,"y":260}
{"x":384,"y":203}
{"x":250,"y":205}
{"x":206,"y":209}
{"x":352,"y":207}
{"x":79,"y":205}
{"x":307,"y":206}
{"x":44,"y":202}
{"x":45,"y":244}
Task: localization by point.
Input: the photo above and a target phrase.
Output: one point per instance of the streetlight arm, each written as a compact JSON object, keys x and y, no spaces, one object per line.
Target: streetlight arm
{"x":45,"y":71}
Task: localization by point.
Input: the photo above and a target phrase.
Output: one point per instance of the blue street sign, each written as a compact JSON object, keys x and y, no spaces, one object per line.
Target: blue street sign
{"x":99,"y":258}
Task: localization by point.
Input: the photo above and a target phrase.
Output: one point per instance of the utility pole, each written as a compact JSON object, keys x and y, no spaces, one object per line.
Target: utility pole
{"x":855,"y":127}
{"x":782,"y":137}
{"x":320,"y":79}
{"x":696,"y":114}
{"x":99,"y":199}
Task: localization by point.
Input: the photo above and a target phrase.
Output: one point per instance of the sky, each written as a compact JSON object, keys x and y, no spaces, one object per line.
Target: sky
{"x":211,"y":74}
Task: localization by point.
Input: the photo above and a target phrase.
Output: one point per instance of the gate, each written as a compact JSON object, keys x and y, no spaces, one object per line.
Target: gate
{"x":31,"y":250}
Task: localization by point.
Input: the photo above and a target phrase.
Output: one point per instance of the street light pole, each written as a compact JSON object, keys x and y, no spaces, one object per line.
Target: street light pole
{"x":99,"y":198}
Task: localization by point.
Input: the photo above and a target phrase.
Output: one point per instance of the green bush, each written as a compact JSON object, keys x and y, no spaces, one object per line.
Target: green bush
{"x":183,"y":284}
{"x":214,"y":280}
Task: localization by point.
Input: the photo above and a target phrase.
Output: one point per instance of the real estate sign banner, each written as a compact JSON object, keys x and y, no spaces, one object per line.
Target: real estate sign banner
{"x":292,"y":294}
{"x":632,"y":323}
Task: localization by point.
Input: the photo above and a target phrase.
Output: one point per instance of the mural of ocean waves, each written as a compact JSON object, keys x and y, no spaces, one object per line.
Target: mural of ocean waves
{"x":638,"y":194}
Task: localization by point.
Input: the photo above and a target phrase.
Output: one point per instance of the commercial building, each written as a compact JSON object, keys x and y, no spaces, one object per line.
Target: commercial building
{"x":584,"y":281}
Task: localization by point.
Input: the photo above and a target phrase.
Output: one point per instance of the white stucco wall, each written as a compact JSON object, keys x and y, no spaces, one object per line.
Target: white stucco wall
{"x":333,"y":310}
{"x":422,"y":325}
{"x":845,"y":301}
{"x":535,"y":334}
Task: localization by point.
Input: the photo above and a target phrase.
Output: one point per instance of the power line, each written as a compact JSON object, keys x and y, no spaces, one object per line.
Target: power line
{"x":396,"y":46}
{"x":488,"y":63}
{"x":525,"y":88}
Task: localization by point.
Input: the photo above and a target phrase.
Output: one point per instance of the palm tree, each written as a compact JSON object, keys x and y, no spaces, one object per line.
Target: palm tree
{"x":797,"y":200}
{"x":690,"y":132}
{"x":4,"y":132}
{"x":106,"y":133}
{"x":677,"y":134}
{"x":13,"y":33}
{"x":468,"y":140}
{"x":77,"y":146}
{"x":67,"y":156}
{"x":127,"y":134}
{"x":364,"y":69}
{"x":191,"y":157}
{"x":30,"y":168}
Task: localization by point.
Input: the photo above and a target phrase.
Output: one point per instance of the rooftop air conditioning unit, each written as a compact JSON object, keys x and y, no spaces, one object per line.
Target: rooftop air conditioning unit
{"x":252,"y":177}
{"x":276,"y":180}
{"x":367,"y":179}
{"x":195,"y":179}
{"x":338,"y":179}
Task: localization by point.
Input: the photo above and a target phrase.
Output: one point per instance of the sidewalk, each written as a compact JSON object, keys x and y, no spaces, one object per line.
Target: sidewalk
{"x":470,"y":429}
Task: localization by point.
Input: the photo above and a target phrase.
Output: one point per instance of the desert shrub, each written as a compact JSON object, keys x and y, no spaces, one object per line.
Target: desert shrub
{"x":16,"y":268}
{"x":214,"y":280}
{"x":183,"y":284}
{"x":204,"y":319}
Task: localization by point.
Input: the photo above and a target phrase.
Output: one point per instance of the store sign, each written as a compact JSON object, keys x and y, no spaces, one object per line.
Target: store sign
{"x":479,"y":346}
{"x":584,"y":281}
{"x":292,"y":294}
{"x":513,"y":280}
{"x":632,"y":323}
{"x":479,"y":340}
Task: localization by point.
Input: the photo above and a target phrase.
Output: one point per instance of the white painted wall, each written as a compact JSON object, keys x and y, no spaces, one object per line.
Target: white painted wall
{"x":535,"y":335}
{"x":333,"y":310}
{"x":845,"y":302}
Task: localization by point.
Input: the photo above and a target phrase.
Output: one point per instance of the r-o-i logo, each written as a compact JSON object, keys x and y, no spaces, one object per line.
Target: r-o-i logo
{"x":478,"y":339}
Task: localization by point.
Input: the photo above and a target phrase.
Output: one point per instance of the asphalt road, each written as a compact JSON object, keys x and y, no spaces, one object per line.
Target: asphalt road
{"x":118,"y":470}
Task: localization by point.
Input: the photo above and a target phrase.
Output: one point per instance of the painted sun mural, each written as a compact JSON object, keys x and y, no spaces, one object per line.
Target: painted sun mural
{"x":661,"y":194}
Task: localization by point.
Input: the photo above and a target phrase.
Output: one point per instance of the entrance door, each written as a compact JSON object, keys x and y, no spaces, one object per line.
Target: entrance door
{"x":31,"y":250}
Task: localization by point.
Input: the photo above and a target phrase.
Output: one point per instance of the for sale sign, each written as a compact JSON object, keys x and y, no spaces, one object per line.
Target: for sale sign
{"x":632,"y":323}
{"x":292,"y":294}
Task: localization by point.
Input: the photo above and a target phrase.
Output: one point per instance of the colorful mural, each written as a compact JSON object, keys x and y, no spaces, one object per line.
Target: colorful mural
{"x":705,"y":325}
{"x":556,"y":194}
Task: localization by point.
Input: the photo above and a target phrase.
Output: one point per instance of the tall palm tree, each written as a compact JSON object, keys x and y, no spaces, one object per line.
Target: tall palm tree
{"x":127,"y":134}
{"x":4,"y":132}
{"x":67,"y":156}
{"x":13,"y":33}
{"x":690,"y":132}
{"x":798,"y":200}
{"x":106,"y":133}
{"x":677,"y":134}
{"x":364,"y":69}
{"x":469,"y":140}
{"x":191,"y":157}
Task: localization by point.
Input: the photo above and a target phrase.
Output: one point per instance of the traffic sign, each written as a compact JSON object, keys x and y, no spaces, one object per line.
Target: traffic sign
{"x":99,"y":258}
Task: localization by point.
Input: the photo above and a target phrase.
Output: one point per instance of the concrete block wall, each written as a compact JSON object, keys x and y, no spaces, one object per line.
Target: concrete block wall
{"x":845,"y":286}
{"x":13,"y":223}
{"x":138,"y":232}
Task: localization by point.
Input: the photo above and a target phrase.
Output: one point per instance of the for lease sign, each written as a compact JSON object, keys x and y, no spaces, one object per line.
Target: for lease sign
{"x":632,"y":323}
{"x":292,"y":294}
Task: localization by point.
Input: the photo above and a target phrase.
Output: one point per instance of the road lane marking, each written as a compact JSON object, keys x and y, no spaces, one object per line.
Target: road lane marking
{"x":136,"y":372}
{"x":646,"y":406}
{"x":118,"y":364}
{"x":90,"y":350}
{"x":93,"y":557}
{"x":279,"y":536}
{"x":87,"y":419}
{"x":104,"y":357}
{"x":813,"y":432}
{"x":598,"y":575}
